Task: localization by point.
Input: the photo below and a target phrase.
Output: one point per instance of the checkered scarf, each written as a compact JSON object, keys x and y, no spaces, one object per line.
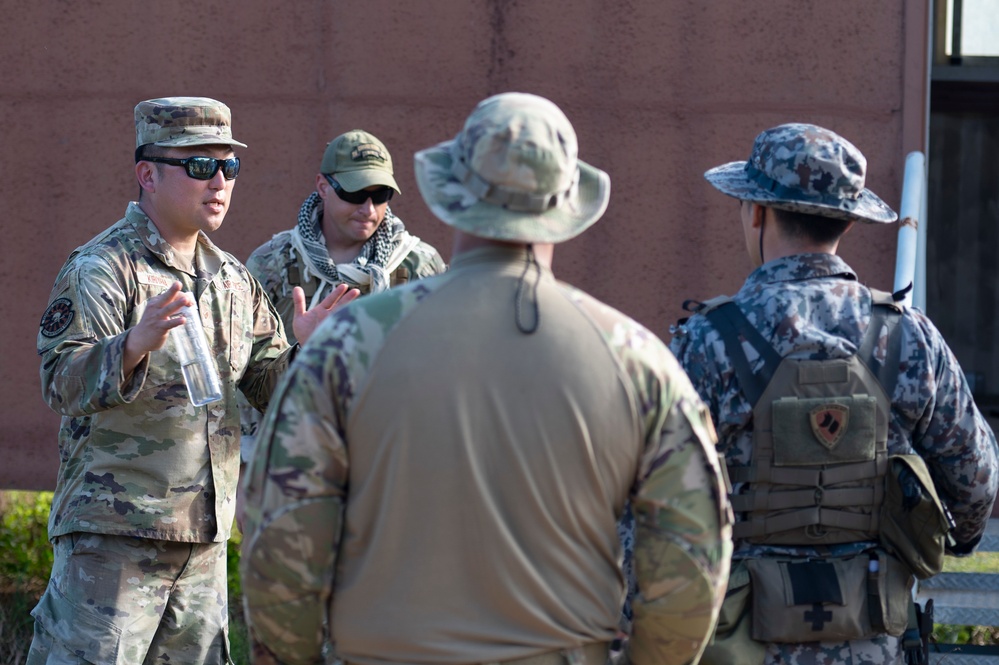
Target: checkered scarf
{"x":375,"y":252}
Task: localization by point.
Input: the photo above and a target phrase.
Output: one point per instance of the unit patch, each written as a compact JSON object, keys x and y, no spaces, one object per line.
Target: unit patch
{"x":57,"y":317}
{"x":829,"y":423}
{"x":367,"y":151}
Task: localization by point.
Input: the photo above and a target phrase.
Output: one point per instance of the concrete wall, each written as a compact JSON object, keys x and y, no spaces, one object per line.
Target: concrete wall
{"x":658,"y":90}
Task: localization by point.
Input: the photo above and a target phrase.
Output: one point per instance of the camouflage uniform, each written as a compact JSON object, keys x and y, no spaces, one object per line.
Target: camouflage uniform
{"x":812,"y":306}
{"x":285,"y":262}
{"x":477,"y":523}
{"x":146,"y":479}
{"x":279,"y":267}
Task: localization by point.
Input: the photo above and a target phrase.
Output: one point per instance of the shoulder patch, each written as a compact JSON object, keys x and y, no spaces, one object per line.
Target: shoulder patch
{"x":57,"y":317}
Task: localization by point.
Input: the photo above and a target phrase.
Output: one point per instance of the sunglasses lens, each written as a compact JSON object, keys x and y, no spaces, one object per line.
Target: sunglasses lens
{"x":202,"y":168}
{"x":381,"y":195}
{"x":378,"y":197}
{"x":230,"y":168}
{"x":205,"y":168}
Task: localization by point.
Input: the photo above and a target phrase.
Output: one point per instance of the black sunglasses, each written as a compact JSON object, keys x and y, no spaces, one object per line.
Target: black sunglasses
{"x":202,"y":168}
{"x":377,"y":197}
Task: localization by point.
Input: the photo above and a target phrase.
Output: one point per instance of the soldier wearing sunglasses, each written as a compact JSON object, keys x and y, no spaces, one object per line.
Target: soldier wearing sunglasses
{"x":145,"y":496}
{"x":345,"y":234}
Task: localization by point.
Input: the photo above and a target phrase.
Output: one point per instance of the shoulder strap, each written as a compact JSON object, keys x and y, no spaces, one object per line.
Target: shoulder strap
{"x":732,"y":325}
{"x":885,"y":314}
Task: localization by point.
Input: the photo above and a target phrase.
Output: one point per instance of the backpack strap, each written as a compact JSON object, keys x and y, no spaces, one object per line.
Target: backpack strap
{"x":885,"y":315}
{"x":734,"y":328}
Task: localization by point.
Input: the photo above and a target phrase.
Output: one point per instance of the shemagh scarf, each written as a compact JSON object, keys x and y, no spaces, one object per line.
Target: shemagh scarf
{"x":380,"y":255}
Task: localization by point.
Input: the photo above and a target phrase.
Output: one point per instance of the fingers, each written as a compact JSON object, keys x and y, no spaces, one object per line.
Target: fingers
{"x":339,"y":297}
{"x":298,"y":298}
{"x":164,"y":309}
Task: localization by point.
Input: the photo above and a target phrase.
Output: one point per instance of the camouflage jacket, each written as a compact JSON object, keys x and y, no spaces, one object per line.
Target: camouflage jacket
{"x":323,"y":453}
{"x":812,"y":306}
{"x":279,"y":267}
{"x":136,"y":457}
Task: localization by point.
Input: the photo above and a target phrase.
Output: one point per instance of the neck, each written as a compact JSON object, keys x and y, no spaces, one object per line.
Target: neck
{"x":463,"y":242}
{"x":185,"y":243}
{"x":343,"y":254}
{"x":776,"y":245}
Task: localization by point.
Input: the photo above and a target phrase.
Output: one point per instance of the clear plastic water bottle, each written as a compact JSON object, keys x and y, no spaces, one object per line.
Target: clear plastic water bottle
{"x":196,"y":360}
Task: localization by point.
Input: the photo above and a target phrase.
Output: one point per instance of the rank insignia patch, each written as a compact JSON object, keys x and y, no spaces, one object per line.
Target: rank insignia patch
{"x":57,"y":317}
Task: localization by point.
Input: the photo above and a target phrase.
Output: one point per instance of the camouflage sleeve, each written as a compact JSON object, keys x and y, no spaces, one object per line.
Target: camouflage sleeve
{"x":81,"y":341}
{"x":263,"y":265}
{"x":270,"y":352}
{"x":951,"y":433}
{"x":698,"y":348}
{"x":424,"y":261}
{"x":683,"y":539}
{"x":295,"y":491}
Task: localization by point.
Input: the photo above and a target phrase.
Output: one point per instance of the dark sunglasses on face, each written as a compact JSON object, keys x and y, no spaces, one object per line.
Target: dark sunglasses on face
{"x":202,"y":168}
{"x":377,"y":196}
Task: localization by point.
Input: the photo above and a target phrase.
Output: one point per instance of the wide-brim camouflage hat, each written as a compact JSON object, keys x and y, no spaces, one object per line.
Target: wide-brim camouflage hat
{"x":513,"y":174}
{"x":804,"y":168}
{"x":183,"y":121}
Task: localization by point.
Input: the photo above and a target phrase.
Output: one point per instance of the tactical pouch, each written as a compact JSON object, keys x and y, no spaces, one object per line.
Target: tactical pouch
{"x":732,"y":643}
{"x":914,"y":524}
{"x":833,"y":599}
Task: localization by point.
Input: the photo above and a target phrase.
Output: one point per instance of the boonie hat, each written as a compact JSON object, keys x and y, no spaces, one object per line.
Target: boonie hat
{"x":183,"y":121}
{"x":513,"y":174}
{"x":358,"y":160}
{"x":804,"y":168}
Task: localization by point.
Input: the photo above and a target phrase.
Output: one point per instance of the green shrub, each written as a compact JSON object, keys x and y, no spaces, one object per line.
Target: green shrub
{"x":25,"y":551}
{"x":26,"y":562}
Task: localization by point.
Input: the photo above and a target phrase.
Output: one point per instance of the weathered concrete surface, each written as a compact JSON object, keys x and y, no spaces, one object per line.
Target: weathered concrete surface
{"x":658,"y":92}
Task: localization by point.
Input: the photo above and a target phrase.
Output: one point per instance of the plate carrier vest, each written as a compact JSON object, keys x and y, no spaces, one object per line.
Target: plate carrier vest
{"x":820,"y":432}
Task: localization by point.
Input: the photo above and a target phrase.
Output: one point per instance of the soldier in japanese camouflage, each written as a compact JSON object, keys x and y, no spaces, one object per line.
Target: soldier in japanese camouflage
{"x":346,"y":234}
{"x":477,"y":522}
{"x":145,"y":494}
{"x":856,"y":453}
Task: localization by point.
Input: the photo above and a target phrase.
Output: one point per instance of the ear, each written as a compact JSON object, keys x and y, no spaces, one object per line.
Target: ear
{"x":322,"y":186}
{"x":759,"y":214}
{"x":145,"y":174}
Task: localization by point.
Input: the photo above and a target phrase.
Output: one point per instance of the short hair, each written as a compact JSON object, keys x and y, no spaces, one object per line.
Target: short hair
{"x":815,"y":228}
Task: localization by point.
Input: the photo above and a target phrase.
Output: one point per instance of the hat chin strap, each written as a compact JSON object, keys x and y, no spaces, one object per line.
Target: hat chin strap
{"x":532,"y":260}
{"x":763,"y":224}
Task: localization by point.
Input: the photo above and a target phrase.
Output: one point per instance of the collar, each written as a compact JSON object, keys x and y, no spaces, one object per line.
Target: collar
{"x":800,"y":267}
{"x":509,"y":254}
{"x":207,"y":257}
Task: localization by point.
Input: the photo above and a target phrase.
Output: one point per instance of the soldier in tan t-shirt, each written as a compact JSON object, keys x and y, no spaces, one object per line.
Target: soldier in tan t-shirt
{"x":476,"y":521}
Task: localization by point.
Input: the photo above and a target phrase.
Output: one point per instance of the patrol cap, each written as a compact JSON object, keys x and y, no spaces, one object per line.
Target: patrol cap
{"x":513,"y":174}
{"x":804,"y":168}
{"x":358,"y":160}
{"x":183,"y":121}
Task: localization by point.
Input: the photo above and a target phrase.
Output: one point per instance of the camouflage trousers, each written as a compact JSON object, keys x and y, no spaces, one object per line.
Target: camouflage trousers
{"x":880,"y":650}
{"x":122,"y":600}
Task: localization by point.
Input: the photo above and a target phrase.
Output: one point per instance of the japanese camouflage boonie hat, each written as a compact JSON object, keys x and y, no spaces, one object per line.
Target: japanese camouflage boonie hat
{"x":513,"y":174}
{"x":183,"y":121}
{"x":357,"y":160}
{"x":804,"y":168}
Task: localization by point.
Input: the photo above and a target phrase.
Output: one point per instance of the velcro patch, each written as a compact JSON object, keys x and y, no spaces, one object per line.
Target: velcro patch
{"x":231,"y":285}
{"x":152,"y":279}
{"x":829,"y":423}
{"x":57,"y":317}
